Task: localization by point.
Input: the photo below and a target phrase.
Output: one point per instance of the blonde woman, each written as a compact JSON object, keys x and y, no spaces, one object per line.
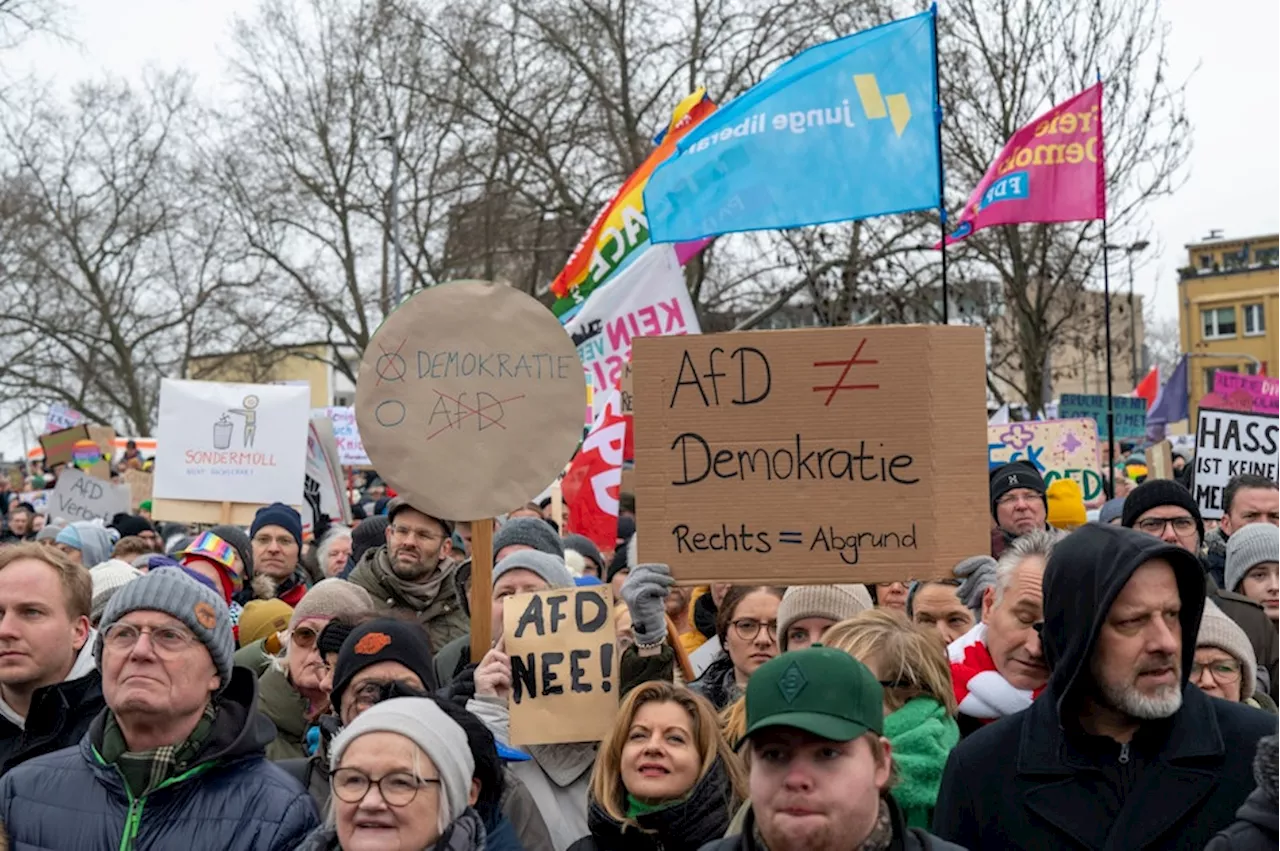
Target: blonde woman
{"x":919,"y":703}
{"x":664,"y":778}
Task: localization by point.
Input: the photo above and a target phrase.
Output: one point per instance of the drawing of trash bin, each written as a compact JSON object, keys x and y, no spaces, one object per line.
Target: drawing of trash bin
{"x":222,"y":433}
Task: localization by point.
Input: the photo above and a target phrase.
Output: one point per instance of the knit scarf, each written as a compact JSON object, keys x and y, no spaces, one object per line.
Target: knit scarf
{"x":922,"y":736}
{"x":145,"y":770}
{"x":416,"y":595}
{"x":980,"y":689}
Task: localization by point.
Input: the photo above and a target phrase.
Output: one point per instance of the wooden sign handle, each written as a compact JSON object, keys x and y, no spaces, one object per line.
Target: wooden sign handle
{"x":224,"y":516}
{"x":481,"y":587}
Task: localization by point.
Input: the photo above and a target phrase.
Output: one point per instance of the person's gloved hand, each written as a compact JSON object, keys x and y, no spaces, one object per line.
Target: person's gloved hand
{"x":645,"y":592}
{"x":978,"y":574}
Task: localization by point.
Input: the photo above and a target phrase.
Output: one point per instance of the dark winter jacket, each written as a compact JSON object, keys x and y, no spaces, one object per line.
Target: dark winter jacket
{"x":232,"y":800}
{"x":704,"y":615}
{"x":287,"y":710}
{"x":718,"y":683}
{"x":904,"y":838}
{"x":1252,"y":618}
{"x":1255,"y":826}
{"x":59,"y":717}
{"x":1036,"y":780}
{"x":466,"y":833}
{"x":1215,"y":557}
{"x":313,"y":772}
{"x":701,"y":818}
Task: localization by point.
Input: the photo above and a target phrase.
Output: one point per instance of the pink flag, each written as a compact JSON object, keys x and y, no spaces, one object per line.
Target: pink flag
{"x":1050,"y":171}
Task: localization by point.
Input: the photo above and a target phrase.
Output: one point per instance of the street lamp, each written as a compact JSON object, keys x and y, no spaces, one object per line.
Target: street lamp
{"x":1130,"y":250}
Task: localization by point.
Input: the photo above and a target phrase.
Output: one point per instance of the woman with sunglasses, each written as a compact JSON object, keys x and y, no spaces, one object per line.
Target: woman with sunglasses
{"x":747,"y":626}
{"x":401,"y":775}
{"x":291,"y":692}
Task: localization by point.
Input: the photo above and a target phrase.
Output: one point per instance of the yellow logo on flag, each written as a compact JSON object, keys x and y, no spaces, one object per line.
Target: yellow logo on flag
{"x":874,"y":106}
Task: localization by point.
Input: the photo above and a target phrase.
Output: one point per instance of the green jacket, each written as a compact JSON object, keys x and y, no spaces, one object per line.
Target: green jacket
{"x":287,"y":709}
{"x":443,"y":617}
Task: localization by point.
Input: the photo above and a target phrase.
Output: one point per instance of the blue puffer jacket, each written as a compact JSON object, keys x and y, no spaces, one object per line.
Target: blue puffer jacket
{"x":231,"y":800}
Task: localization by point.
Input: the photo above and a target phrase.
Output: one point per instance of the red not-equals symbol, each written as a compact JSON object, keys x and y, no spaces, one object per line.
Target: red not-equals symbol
{"x":847,"y":364}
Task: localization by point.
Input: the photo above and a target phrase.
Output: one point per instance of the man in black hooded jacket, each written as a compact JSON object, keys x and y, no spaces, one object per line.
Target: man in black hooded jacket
{"x":1120,"y":751}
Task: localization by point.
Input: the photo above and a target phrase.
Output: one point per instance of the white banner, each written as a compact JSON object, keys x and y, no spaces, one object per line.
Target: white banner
{"x":1228,"y":444}
{"x":345,"y":433}
{"x":647,"y":299}
{"x":231,"y":442}
{"x":60,"y":416}
{"x":78,"y":496}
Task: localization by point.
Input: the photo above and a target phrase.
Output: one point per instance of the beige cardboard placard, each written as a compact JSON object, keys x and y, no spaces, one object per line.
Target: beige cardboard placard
{"x":105,"y":437}
{"x":811,"y":456}
{"x":1059,"y":449}
{"x":200,"y":511}
{"x":1160,"y":461}
{"x":57,"y":445}
{"x":100,"y":470}
{"x":139,"y":487}
{"x":564,"y":667}
{"x":470,"y":399}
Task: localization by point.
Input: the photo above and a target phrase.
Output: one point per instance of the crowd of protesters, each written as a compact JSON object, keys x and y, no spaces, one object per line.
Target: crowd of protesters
{"x":1093,"y":682}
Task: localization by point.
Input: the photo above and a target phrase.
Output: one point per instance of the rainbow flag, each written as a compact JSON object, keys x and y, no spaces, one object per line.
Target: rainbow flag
{"x":621,"y":230}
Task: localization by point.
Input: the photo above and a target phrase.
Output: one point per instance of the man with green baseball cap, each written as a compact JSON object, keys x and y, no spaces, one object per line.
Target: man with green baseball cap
{"x":820,"y":767}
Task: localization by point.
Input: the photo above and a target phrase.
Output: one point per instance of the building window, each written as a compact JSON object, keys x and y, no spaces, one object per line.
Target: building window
{"x":1267,"y":256}
{"x":1253,"y":322}
{"x":1219,"y":323}
{"x":1206,"y":261}
{"x":1210,"y":370}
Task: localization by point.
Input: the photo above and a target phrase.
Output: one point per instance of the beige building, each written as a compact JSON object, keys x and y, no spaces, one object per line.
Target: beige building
{"x":312,"y":364}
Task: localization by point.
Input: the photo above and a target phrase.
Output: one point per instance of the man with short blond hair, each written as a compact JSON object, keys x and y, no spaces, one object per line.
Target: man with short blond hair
{"x":47,"y":673}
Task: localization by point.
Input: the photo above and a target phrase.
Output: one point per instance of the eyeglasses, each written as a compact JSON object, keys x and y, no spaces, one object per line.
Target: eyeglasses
{"x":749,"y":628}
{"x":1011,"y":498}
{"x":369,"y":693}
{"x":1184,"y":525}
{"x":416,"y":534}
{"x":281,"y":541}
{"x":166,"y":640}
{"x":1221,"y":671}
{"x":303,"y":637}
{"x":397,"y":789}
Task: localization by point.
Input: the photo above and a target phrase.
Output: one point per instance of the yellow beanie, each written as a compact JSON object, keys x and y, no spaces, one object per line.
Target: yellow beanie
{"x":1066,"y":504}
{"x":263,"y":618}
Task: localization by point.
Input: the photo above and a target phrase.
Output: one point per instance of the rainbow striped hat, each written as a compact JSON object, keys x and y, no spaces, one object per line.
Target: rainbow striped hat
{"x":212,"y":548}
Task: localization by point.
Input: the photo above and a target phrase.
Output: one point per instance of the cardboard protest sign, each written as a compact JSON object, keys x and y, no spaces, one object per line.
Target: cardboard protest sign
{"x":470,"y":399}
{"x":811,"y":456}
{"x":239,"y":443}
{"x":79,"y":496}
{"x":1160,"y":460}
{"x":1129,"y":413}
{"x":1056,"y":448}
{"x":1229,"y":443}
{"x":648,"y":298}
{"x":564,"y":667}
{"x":59,"y":445}
{"x":347,"y":435}
{"x":139,"y":487}
{"x":1258,"y":394}
{"x":61,"y":416}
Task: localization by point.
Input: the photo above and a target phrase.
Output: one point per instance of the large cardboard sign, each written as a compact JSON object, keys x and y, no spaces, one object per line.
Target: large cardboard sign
{"x":1057,"y":448}
{"x":813,"y":456}
{"x":470,"y":399}
{"x":1160,"y":460}
{"x":1129,"y":413}
{"x":1229,"y":443}
{"x":239,"y":443}
{"x":564,"y":666}
{"x":347,"y":435}
{"x":59,"y":446}
{"x":139,"y":487}
{"x":79,"y":496}
{"x":1258,"y":394}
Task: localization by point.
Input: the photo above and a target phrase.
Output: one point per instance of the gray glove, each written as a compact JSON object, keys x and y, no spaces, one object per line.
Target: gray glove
{"x":979,"y":574}
{"x":645,"y":592}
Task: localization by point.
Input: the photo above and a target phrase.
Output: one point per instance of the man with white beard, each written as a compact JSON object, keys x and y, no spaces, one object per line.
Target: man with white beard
{"x":1120,"y":751}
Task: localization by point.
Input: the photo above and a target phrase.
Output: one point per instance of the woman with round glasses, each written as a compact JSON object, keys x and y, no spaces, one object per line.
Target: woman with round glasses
{"x":292,"y":690}
{"x":747,"y":626}
{"x":401,"y":775}
{"x":1225,"y":665}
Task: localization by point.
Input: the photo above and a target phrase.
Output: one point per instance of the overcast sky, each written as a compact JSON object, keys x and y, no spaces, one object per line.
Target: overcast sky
{"x":1233,"y":180}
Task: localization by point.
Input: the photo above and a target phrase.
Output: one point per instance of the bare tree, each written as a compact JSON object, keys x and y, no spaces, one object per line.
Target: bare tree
{"x":20,"y":18}
{"x":112,"y":269}
{"x":1004,"y":62}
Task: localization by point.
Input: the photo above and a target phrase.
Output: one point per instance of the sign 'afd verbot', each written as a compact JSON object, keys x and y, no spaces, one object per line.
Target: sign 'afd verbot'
{"x":814,"y":456}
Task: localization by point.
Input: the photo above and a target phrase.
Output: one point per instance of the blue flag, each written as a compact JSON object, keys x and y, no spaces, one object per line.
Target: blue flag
{"x":845,"y":130}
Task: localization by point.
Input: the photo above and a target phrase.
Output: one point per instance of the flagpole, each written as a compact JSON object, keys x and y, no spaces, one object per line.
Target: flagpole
{"x":942,"y":198}
{"x":1106,"y":306}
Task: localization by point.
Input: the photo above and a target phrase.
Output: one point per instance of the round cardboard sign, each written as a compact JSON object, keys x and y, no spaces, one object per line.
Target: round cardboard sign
{"x":470,"y":399}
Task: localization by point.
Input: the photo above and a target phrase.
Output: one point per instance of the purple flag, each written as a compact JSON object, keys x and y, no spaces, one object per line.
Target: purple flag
{"x":1172,"y":403}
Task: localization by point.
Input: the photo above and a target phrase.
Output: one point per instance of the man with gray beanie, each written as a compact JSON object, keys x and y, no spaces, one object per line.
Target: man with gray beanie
{"x":413,"y":573}
{"x":176,"y":760}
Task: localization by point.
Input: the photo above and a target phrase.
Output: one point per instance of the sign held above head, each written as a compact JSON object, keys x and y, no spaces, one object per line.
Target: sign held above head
{"x":470,"y":399}
{"x":812,"y":456}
